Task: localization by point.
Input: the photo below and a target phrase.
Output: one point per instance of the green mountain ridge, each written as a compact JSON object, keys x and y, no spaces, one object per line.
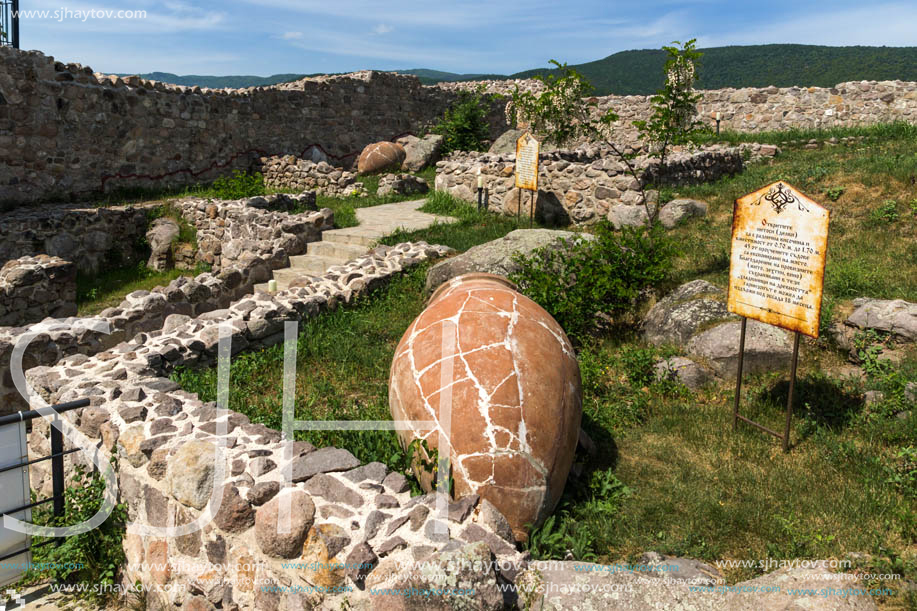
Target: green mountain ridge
{"x":640,"y":71}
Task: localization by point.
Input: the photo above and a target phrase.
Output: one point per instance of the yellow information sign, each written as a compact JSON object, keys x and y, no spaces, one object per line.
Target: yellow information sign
{"x":527,"y":162}
{"x":777,"y":264}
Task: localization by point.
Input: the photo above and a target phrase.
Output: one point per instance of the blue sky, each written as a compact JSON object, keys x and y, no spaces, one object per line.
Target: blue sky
{"x":302,"y":36}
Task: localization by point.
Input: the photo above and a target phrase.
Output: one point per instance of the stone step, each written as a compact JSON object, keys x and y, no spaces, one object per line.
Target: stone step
{"x":351,"y":236}
{"x":311,"y":264}
{"x":334,"y":250}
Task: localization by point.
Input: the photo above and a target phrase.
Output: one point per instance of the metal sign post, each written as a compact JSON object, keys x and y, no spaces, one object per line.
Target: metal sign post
{"x":776,"y":274}
{"x":527,"y":148}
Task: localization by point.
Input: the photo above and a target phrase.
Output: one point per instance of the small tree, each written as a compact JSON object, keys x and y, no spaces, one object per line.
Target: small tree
{"x":464,"y":125}
{"x":562,"y":113}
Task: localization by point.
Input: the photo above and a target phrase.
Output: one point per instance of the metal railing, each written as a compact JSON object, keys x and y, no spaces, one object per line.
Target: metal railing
{"x":9,"y":23}
{"x":57,"y":467}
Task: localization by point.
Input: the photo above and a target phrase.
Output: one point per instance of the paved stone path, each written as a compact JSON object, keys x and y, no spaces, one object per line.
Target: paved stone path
{"x":339,"y":246}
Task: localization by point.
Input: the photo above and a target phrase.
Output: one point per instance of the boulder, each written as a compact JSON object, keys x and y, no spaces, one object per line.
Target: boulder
{"x":421,"y":152}
{"x":895,"y":317}
{"x":160,"y":235}
{"x":691,"y":374}
{"x":767,"y":348}
{"x":515,"y":395}
{"x":678,"y":315}
{"x":677,"y":210}
{"x":380,"y":156}
{"x":469,"y":568}
{"x":496,"y":257}
{"x":506,"y":143}
{"x":552,"y":586}
{"x":625,"y":215}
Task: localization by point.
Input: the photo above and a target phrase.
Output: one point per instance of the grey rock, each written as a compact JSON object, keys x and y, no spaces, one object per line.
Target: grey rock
{"x":421,"y":152}
{"x":462,"y":508}
{"x":189,"y":476}
{"x":386,"y":501}
{"x":767,"y":348}
{"x":677,"y":210}
{"x":491,"y":517}
{"x":678,"y":316}
{"x":624,"y":215}
{"x":686,"y":371}
{"x":360,"y":562}
{"x":373,"y":471}
{"x":323,"y":460}
{"x":436,"y":531}
{"x":262,"y":492}
{"x":505,"y":144}
{"x":236,"y":514}
{"x":396,"y":482}
{"x":896,"y":317}
{"x":333,"y":490}
{"x":392,"y":545}
{"x":374,"y":522}
{"x":496,"y":257}
{"x":280,"y":534}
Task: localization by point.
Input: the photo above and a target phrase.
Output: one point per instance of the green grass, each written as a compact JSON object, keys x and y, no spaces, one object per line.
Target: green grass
{"x":884,"y":131}
{"x":870,"y":190}
{"x":342,"y":363}
{"x":669,"y":473}
{"x":97,"y":292}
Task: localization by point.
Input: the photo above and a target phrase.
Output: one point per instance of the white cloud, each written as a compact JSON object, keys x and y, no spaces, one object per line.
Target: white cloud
{"x":291,"y":35}
{"x":382,"y":28}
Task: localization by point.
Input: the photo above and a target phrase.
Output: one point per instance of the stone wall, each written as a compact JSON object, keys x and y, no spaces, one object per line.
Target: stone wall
{"x":32,"y":288}
{"x":752,"y":109}
{"x":259,"y":241}
{"x":88,"y":237}
{"x":342,"y":512}
{"x":66,"y":132}
{"x":291,"y":172}
{"x":579,"y":186}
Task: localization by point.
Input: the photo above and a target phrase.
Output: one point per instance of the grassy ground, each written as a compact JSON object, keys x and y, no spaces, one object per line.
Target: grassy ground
{"x":669,"y":473}
{"x":95,"y":293}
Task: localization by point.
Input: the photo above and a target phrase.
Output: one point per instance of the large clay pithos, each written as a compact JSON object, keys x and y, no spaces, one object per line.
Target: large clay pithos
{"x":514,"y":395}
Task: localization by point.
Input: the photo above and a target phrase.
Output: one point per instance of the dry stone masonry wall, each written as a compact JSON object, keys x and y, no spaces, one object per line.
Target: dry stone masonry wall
{"x":35,"y":287}
{"x":579,"y":186}
{"x":243,"y":242}
{"x":291,"y":172}
{"x":87,"y":237}
{"x":353,"y":526}
{"x":66,"y":131}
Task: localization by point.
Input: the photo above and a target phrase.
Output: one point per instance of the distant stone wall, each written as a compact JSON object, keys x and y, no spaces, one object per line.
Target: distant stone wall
{"x":579,"y":186}
{"x":88,"y":237}
{"x":32,"y":288}
{"x":67,"y":132}
{"x":752,"y":109}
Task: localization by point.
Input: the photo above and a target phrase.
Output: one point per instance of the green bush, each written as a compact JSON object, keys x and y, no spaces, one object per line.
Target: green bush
{"x":239,"y":185}
{"x":93,"y":557}
{"x":464,"y":125}
{"x":573,"y":280}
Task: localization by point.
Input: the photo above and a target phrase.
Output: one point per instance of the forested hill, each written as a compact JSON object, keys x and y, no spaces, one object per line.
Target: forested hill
{"x":783,"y":65}
{"x":640,"y":72}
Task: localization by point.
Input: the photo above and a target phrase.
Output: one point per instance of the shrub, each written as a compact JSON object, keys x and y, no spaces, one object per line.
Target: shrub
{"x":93,"y":557}
{"x":238,"y":185}
{"x":573,"y":280}
{"x":464,"y":125}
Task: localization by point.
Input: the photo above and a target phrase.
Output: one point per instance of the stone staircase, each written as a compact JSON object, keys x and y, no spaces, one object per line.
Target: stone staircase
{"x":338,"y":246}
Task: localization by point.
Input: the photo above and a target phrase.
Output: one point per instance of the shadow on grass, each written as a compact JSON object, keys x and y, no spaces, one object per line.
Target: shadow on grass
{"x":818,"y":398}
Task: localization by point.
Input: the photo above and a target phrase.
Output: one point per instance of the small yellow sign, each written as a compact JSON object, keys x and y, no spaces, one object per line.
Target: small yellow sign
{"x":527,"y":162}
{"x":777,"y":263}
